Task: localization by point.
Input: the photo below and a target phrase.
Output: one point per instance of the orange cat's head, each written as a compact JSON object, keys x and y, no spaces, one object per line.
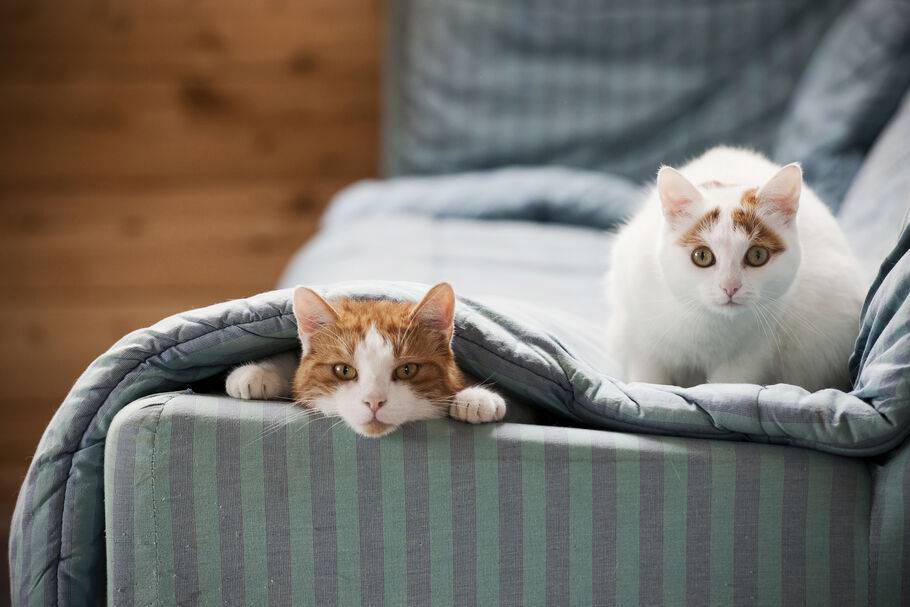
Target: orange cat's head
{"x":375,"y":363}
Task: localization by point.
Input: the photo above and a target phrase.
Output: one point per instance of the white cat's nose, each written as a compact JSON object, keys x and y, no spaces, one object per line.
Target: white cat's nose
{"x":731,"y":290}
{"x":374,"y":402}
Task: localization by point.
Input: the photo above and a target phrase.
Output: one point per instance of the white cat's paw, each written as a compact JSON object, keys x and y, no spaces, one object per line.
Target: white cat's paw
{"x":477,"y":405}
{"x":256,"y":382}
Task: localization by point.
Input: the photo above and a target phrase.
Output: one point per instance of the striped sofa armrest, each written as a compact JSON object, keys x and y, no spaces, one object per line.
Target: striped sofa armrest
{"x":219,"y":501}
{"x":890,"y":529}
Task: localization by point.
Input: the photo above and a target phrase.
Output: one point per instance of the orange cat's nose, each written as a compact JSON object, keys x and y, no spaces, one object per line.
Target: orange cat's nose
{"x":374,"y":403}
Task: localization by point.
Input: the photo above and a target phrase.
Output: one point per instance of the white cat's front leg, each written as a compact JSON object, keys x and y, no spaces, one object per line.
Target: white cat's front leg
{"x":477,"y":405}
{"x":739,"y":372}
{"x":264,"y":379}
{"x":645,"y":370}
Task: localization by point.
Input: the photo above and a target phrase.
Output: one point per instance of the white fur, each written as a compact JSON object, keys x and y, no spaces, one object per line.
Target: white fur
{"x":263,"y":380}
{"x":477,"y":405}
{"x":797,"y":316}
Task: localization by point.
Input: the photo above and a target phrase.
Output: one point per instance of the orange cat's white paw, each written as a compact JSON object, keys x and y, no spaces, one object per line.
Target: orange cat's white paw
{"x":256,"y":382}
{"x":477,"y":405}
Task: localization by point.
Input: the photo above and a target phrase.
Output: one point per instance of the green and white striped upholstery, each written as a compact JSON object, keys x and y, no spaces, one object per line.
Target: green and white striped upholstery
{"x":210,"y":501}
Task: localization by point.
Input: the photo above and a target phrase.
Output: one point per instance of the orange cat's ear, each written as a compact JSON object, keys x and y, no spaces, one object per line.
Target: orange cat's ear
{"x":312,"y":313}
{"x":437,"y":309}
{"x":677,"y":195}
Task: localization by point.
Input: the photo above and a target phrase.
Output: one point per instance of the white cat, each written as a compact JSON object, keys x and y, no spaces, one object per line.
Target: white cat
{"x":734,"y":272}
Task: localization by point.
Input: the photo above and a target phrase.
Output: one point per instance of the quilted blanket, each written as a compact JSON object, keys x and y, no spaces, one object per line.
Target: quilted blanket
{"x":531,"y":353}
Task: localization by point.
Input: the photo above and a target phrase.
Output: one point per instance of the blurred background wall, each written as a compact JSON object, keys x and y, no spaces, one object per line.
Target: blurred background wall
{"x":157,"y":156}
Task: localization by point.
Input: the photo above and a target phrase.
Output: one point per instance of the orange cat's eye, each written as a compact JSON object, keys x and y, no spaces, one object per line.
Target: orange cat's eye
{"x":344,"y":372}
{"x":407,"y":371}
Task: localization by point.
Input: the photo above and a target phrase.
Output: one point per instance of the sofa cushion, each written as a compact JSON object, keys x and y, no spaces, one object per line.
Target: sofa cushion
{"x":850,"y":91}
{"x":616,"y":86}
{"x":877,"y":205}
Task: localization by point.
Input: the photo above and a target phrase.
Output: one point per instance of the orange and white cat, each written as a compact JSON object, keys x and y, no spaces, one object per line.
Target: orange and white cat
{"x":376,"y":364}
{"x":734,"y":272}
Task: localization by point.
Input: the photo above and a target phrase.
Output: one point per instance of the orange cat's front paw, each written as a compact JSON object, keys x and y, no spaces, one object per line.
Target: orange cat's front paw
{"x":477,"y":405}
{"x":256,"y":382}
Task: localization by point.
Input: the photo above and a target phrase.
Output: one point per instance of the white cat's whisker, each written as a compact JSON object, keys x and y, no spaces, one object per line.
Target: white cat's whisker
{"x":799,"y":318}
{"x":768,"y":329}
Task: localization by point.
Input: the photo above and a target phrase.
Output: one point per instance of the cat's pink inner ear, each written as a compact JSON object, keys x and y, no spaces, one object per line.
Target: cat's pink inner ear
{"x":437,"y":309}
{"x":312,"y":312}
{"x":780,"y":195}
{"x":678,"y":196}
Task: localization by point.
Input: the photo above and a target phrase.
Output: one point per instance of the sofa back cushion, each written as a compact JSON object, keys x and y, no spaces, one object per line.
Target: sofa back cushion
{"x":850,"y":91}
{"x":620,"y":86}
{"x":876,"y":208}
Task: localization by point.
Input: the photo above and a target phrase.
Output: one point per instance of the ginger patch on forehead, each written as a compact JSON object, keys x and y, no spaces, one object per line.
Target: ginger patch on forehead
{"x":692,"y":237}
{"x":750,"y":199}
{"x":760,"y":235}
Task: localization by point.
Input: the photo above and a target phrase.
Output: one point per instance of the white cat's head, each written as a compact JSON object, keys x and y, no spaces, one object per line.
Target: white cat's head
{"x":377,"y":364}
{"x":728,"y":247}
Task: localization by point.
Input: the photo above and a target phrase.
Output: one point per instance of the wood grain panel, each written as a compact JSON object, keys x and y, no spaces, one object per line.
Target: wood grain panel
{"x":190,"y":129}
{"x":65,"y":341}
{"x":142,"y":39}
{"x":214,"y":236}
{"x":194,"y":90}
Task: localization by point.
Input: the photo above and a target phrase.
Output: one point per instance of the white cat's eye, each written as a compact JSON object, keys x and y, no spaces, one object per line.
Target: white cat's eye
{"x":757,"y":256}
{"x":407,"y":371}
{"x":344,"y":372}
{"x":703,"y":257}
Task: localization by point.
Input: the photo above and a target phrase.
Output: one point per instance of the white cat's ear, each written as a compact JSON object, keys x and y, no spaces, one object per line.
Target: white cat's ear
{"x":312,"y":313}
{"x":437,"y":309}
{"x":780,"y":195}
{"x":678,"y":196}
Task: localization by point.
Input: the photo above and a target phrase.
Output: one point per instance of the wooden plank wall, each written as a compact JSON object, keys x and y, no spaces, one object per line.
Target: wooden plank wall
{"x":157,"y":156}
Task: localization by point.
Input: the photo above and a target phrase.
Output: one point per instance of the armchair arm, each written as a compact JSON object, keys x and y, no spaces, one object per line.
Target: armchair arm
{"x":889,"y":533}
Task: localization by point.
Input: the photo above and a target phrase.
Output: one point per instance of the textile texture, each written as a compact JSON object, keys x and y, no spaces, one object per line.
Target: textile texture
{"x":852,"y":86}
{"x":252,"y":503}
{"x":619,"y":87}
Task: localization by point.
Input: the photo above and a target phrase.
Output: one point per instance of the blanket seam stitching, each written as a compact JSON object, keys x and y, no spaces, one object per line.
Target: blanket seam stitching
{"x":155,"y":505}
